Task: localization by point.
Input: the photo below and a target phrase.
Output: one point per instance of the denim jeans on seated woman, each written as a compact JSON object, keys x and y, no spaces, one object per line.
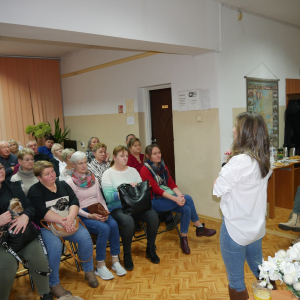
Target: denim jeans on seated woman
{"x":54,"y":247}
{"x":234,"y":257}
{"x":188,"y":211}
{"x":106,"y":231}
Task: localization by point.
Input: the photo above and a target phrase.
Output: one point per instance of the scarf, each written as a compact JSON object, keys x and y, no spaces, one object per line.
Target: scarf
{"x":159,"y":173}
{"x":84,"y":182}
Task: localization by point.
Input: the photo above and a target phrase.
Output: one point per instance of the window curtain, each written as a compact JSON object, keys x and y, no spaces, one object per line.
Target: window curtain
{"x":30,"y":93}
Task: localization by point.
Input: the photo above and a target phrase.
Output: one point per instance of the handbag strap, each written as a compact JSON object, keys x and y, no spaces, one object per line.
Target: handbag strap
{"x":70,"y":251}
{"x":12,"y":252}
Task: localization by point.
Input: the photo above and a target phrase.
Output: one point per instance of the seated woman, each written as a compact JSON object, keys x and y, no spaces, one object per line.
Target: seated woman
{"x":118,"y":174}
{"x":89,"y":152}
{"x":172,"y":199}
{"x":135,"y":158}
{"x":100,"y":163}
{"x":66,"y":157}
{"x":14,"y":147}
{"x":44,"y":197}
{"x":87,"y":190}
{"x":57,"y":161}
{"x":32,"y":252}
{"x":25,"y":173}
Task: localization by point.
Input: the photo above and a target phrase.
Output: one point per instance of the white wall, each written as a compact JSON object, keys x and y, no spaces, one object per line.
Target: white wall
{"x":245,"y":44}
{"x":101,"y":91}
{"x":116,"y":23}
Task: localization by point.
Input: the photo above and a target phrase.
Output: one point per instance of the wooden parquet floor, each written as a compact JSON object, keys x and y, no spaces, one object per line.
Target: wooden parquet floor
{"x":198,"y":276}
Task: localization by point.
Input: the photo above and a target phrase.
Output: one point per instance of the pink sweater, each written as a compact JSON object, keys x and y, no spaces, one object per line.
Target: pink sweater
{"x":87,"y":196}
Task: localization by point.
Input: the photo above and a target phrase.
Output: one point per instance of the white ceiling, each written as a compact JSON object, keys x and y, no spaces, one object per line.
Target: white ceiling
{"x":287,"y":11}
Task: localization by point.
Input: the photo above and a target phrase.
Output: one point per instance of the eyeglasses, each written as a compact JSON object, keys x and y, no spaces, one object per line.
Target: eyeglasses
{"x":2,"y":169}
{"x":59,"y":149}
{"x":82,"y":163}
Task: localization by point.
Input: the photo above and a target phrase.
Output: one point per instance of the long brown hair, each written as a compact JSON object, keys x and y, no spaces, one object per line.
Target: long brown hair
{"x":117,"y":150}
{"x":252,"y":138}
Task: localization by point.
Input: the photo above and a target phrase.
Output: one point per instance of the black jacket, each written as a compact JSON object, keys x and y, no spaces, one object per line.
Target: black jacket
{"x":11,"y":190}
{"x":292,"y":124}
{"x":55,"y":164}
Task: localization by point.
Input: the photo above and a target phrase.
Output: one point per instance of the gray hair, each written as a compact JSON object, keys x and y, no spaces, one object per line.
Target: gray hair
{"x":54,"y":147}
{"x":2,"y":142}
{"x":66,"y":152}
{"x":77,"y":156}
{"x":30,"y":142}
{"x":90,"y":141}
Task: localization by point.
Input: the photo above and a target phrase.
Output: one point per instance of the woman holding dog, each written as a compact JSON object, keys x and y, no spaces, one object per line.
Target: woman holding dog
{"x":49,"y":198}
{"x":32,"y":252}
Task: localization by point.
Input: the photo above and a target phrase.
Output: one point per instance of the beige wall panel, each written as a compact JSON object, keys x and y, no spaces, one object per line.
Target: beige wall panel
{"x":237,"y":111}
{"x":111,"y":129}
{"x":142,"y":131}
{"x":197,"y":157}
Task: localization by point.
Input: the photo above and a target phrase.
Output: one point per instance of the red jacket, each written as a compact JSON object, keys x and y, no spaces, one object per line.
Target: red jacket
{"x":134,"y":163}
{"x":146,"y":175}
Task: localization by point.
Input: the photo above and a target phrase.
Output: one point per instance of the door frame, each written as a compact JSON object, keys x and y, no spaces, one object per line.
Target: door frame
{"x":146,"y":96}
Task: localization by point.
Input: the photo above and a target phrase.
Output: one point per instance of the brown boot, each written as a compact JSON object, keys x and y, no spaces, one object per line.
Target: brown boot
{"x":58,"y":291}
{"x":92,"y":279}
{"x":184,"y":245}
{"x":235,"y":295}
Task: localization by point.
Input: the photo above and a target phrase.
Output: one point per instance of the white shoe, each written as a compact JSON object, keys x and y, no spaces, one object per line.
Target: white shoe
{"x":120,"y":271}
{"x":104,"y":273}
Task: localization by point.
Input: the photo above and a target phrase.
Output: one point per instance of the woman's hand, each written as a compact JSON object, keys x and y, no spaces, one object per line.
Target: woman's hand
{"x":133,"y":184}
{"x":227,"y":153}
{"x":180,"y":200}
{"x":68,"y":223}
{"x":19,"y":223}
{"x":5,"y":218}
{"x":97,"y":217}
{"x":107,"y":156}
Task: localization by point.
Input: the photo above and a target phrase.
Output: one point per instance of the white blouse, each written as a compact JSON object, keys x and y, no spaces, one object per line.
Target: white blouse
{"x":244,"y":199}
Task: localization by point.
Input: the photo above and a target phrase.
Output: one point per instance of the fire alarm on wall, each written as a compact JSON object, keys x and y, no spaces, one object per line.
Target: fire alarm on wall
{"x":120,"y":109}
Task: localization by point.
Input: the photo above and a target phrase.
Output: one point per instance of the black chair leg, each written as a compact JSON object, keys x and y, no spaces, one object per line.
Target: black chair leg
{"x":76,"y":262}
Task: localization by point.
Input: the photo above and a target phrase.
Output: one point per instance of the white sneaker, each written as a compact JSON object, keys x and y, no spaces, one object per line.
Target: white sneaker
{"x":120,"y":271}
{"x":104,"y":273}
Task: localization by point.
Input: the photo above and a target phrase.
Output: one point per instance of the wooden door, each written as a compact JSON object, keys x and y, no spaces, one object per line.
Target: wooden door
{"x":162,"y":125}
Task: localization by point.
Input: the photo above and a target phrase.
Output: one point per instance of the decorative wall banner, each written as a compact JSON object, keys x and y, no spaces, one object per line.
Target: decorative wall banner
{"x":262,"y":97}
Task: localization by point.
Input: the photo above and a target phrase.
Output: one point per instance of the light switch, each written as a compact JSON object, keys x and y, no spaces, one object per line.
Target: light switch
{"x":199,"y":119}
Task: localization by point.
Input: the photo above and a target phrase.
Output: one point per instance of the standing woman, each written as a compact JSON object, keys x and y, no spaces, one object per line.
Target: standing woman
{"x":57,"y":160}
{"x":89,"y":152}
{"x":242,"y":184}
{"x":167,"y":196}
{"x":135,"y":158}
{"x":120,"y":173}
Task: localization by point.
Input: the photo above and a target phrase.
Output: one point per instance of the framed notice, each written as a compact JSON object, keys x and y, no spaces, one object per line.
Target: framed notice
{"x":262,"y":97}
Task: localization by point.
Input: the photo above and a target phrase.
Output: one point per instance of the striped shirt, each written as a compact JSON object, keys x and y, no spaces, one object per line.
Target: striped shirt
{"x":98,"y":169}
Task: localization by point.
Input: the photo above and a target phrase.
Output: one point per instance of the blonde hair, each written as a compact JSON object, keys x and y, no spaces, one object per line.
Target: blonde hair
{"x":66,"y":152}
{"x":55,"y":145}
{"x":116,"y":151}
{"x":40,"y":166}
{"x":24,"y":152}
{"x":13,"y":141}
{"x":99,"y":145}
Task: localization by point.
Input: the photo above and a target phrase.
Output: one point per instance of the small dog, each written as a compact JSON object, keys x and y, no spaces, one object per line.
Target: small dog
{"x":15,"y":207}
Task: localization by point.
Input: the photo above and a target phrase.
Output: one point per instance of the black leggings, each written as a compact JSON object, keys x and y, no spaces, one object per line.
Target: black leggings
{"x":127,"y":226}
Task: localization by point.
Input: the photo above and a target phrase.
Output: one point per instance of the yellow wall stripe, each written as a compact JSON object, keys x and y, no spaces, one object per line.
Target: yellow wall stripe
{"x":109,"y":64}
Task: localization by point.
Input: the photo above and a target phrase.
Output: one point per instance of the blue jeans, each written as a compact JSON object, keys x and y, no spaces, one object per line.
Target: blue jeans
{"x":54,"y":247}
{"x":187,"y":211}
{"x":234,"y":257}
{"x":106,"y":231}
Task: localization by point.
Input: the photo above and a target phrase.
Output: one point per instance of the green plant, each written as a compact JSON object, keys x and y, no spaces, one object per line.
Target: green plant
{"x":40,"y":130}
{"x":58,"y":135}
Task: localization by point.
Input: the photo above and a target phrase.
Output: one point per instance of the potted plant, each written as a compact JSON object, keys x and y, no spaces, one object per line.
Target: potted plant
{"x":40,"y":130}
{"x":58,"y":134}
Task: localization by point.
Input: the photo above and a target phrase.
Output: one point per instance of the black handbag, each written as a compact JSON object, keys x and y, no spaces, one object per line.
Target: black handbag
{"x":18,"y":241}
{"x":135,"y":199}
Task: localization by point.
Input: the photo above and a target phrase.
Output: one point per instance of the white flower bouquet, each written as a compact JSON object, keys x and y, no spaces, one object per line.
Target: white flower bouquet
{"x":285,"y":266}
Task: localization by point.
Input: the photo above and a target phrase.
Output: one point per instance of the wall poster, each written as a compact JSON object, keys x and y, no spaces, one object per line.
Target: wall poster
{"x":262,"y":97}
